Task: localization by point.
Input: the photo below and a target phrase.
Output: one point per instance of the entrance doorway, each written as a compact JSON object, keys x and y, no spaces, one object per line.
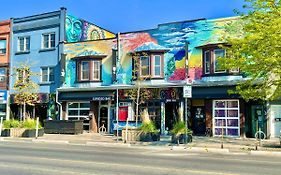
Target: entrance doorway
{"x":171,"y":114}
{"x":199,"y":120}
{"x":103,"y":117}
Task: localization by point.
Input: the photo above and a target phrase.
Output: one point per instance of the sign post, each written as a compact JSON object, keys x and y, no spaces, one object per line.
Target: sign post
{"x":187,"y":93}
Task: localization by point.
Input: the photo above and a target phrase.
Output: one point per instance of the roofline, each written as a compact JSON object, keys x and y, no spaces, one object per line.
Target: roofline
{"x":175,"y":22}
{"x":91,"y":40}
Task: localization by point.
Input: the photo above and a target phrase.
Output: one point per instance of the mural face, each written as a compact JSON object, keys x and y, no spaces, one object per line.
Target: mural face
{"x":80,"y":30}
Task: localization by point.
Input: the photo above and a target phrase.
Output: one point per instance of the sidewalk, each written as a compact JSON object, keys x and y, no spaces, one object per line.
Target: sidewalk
{"x":208,"y":144}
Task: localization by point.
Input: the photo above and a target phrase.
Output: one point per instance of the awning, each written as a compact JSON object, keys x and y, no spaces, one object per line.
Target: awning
{"x":86,"y":96}
{"x":213,"y":92}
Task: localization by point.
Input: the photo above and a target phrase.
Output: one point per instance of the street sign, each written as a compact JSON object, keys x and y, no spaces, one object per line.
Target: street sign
{"x":187,"y":91}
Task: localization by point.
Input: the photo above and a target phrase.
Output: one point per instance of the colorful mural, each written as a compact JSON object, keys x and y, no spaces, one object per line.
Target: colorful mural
{"x":91,"y":48}
{"x":81,"y":30}
{"x":172,"y":38}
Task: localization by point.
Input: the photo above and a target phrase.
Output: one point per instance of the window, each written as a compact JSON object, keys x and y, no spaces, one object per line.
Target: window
{"x":150,"y":65}
{"x":211,"y":64}
{"x":207,"y":61}
{"x":48,"y":41}
{"x":144,"y":66}
{"x":89,"y":70}
{"x":23,"y":44}
{"x":156,"y":65}
{"x":3,"y":45}
{"x":218,"y":53}
{"x":47,"y":74}
{"x":2,"y":75}
{"x":78,"y":111}
{"x":226,"y":117}
{"x":96,"y":70}
{"x":85,"y":68}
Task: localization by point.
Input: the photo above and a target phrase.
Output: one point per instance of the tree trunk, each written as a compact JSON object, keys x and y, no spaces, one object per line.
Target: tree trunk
{"x":24,"y":111}
{"x":137,"y":105}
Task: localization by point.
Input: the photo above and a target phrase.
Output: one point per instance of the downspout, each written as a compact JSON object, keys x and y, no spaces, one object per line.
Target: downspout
{"x":60,"y":105}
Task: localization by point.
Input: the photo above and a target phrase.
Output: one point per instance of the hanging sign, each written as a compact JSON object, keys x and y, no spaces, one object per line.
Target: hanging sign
{"x":187,"y":91}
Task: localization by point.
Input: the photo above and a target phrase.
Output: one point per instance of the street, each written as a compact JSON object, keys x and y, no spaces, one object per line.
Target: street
{"x":41,"y":158}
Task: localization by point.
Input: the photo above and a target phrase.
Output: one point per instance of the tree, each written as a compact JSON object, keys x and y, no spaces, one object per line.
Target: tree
{"x":139,"y":94}
{"x":255,"y":48}
{"x":25,"y":89}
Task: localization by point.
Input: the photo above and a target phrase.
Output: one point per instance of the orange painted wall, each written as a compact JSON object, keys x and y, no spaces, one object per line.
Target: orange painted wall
{"x":4,"y":58}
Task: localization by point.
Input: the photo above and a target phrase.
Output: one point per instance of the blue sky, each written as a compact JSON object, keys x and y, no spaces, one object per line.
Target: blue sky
{"x":125,"y":15}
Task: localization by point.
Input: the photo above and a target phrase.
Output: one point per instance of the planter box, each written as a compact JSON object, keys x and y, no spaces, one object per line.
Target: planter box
{"x":21,"y":132}
{"x":181,"y":139}
{"x":134,"y":134}
{"x":13,"y":132}
{"x":149,"y":137}
{"x":63,"y":126}
{"x":32,"y":133}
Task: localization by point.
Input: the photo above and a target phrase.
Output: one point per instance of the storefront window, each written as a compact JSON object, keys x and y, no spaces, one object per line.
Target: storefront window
{"x":226,"y":117}
{"x":78,"y":111}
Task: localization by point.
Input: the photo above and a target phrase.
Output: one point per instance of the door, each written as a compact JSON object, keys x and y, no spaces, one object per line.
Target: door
{"x":171,"y":114}
{"x":275,"y":117}
{"x":199,"y":121}
{"x":103,"y":117}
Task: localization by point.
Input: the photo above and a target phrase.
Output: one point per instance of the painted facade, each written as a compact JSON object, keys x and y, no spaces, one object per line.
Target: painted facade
{"x":81,"y":30}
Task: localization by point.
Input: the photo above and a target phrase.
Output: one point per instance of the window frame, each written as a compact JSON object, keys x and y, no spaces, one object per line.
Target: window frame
{"x":48,"y":74}
{"x":3,"y":80}
{"x":205,"y":72}
{"x":153,"y":65}
{"x":25,"y":44}
{"x":215,"y":59}
{"x":49,"y":46}
{"x":5,"y":47}
{"x":90,"y":71}
{"x":81,"y":71}
{"x":148,"y":66}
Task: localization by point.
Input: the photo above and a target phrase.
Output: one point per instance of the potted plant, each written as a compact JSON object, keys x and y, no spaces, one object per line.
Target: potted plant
{"x":30,"y":128}
{"x":11,"y":128}
{"x":180,"y":133}
{"x":149,"y":132}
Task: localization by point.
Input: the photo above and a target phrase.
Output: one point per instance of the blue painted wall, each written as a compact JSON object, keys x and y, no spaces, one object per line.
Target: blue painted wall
{"x":34,"y":27}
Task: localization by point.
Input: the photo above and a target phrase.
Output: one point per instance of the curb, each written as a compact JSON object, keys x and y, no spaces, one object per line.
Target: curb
{"x":50,"y":141}
{"x":266,"y":153}
{"x":107,"y":144}
{"x":202,"y":149}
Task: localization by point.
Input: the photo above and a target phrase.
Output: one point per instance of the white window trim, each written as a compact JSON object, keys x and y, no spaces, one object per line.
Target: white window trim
{"x":48,"y":73}
{"x":225,"y":118}
{"x":93,"y":70}
{"x":25,"y":49}
{"x":153,"y":66}
{"x":141,"y":66}
{"x":214,"y":63}
{"x":81,"y":71}
{"x":206,"y":62}
{"x":79,"y":109}
{"x":49,"y":40}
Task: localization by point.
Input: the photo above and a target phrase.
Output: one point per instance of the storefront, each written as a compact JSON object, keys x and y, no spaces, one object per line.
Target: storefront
{"x":3,"y":104}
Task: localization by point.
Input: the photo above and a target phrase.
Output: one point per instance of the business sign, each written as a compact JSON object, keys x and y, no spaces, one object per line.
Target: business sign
{"x":187,"y":91}
{"x":101,"y":98}
{"x":3,"y":96}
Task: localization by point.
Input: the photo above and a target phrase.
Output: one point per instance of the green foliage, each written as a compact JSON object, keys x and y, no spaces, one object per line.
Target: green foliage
{"x":256,"y":49}
{"x":27,"y":124}
{"x":149,"y":127}
{"x":11,"y":124}
{"x":180,"y":128}
{"x":30,"y":124}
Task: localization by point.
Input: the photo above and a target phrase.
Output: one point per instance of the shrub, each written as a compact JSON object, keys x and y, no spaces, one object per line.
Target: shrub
{"x":30,"y":124}
{"x":11,"y":124}
{"x":180,"y":128}
{"x":149,"y":127}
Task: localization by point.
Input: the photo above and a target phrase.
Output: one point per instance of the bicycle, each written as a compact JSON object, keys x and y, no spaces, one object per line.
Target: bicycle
{"x":102,"y":130}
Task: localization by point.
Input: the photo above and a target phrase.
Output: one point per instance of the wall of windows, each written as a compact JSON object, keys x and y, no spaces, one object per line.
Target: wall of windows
{"x":226,"y":117}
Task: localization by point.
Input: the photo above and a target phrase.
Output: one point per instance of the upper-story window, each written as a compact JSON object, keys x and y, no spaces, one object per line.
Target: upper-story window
{"x":23,"y":75}
{"x":48,"y":41}
{"x":23,"y":44}
{"x":150,"y":65}
{"x":3,"y":45}
{"x":3,"y":74}
{"x":211,"y":61}
{"x":47,"y":74}
{"x":89,"y":70}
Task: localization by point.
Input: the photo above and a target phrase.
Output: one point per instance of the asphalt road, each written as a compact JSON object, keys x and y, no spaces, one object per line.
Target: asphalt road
{"x":18,"y":158}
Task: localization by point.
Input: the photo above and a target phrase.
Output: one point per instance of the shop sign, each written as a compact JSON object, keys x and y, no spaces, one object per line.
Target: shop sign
{"x":101,"y":98}
{"x":3,"y":96}
{"x":187,"y":91}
